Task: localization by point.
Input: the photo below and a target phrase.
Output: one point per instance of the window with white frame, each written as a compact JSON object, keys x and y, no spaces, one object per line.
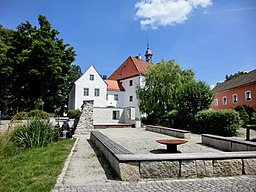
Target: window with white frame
{"x":248,"y":95}
{"x":91,"y":77}
{"x":131,"y":99}
{"x":96,"y":92}
{"x":116,"y":115}
{"x":216,"y":103}
{"x":224,"y":100}
{"x":86,"y":91}
{"x":235,"y":98}
{"x":115,"y":97}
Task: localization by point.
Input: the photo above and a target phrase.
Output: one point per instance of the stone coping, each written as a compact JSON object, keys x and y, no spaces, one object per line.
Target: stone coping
{"x":234,"y":140}
{"x":186,"y":156}
{"x":167,"y":128}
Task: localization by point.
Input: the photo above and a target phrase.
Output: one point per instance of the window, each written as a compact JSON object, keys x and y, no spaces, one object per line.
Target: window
{"x":91,"y":77}
{"x":216,"y":103}
{"x":131,"y":82}
{"x":116,"y":115}
{"x":96,"y":92}
{"x":131,"y":98}
{"x":86,"y":91}
{"x":224,"y":100}
{"x":116,"y":97}
{"x":106,"y":96}
{"x":235,"y":98}
{"x":248,"y":95}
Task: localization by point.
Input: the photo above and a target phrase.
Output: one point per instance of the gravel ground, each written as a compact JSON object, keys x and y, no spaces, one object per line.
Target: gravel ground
{"x":140,"y":141}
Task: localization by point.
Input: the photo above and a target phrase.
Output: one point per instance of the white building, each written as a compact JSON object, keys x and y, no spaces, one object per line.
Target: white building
{"x":115,"y":99}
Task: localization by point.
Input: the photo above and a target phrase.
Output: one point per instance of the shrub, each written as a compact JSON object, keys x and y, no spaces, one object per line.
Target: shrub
{"x":37,"y":133}
{"x":218,"y":122}
{"x":72,"y":114}
{"x":7,"y":146}
{"x":38,"y":113}
{"x":244,"y":117}
{"x":22,"y":115}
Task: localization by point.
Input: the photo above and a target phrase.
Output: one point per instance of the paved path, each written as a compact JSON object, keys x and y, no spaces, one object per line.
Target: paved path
{"x":86,"y":170}
{"x":239,"y":183}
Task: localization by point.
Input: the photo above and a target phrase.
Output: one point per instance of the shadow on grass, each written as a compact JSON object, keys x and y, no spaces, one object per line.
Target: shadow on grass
{"x":109,"y":172}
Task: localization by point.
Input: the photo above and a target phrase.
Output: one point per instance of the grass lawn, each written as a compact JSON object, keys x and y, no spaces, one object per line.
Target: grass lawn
{"x":35,"y":169}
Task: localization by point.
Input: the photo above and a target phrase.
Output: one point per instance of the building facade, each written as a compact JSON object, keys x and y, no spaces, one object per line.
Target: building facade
{"x":115,"y":99}
{"x":238,"y":91}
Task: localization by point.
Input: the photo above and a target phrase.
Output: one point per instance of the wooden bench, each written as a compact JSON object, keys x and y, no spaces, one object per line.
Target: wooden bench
{"x":110,"y":145}
{"x":169,"y":131}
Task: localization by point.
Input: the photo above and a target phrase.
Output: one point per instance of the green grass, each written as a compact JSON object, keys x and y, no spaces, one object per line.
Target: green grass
{"x":35,"y":169}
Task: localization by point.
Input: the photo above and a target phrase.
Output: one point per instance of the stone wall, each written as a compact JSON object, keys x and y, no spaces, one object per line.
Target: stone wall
{"x":85,"y":124}
{"x":227,"y":144}
{"x":169,"y":131}
{"x":131,"y":167}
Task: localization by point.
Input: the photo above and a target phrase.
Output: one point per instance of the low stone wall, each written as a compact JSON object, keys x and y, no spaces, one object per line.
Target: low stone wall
{"x":132,"y":167}
{"x":227,"y":144}
{"x":169,"y":131}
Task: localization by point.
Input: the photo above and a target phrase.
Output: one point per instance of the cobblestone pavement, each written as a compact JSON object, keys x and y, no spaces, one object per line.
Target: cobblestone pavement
{"x":239,"y":183}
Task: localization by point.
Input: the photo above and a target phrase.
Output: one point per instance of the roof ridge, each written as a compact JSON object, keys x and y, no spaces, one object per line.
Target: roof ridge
{"x":134,"y":63}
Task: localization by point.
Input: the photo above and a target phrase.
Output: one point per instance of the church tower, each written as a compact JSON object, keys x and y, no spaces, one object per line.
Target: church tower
{"x":148,"y":54}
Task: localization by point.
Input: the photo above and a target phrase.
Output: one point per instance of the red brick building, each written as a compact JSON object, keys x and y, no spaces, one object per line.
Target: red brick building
{"x":238,"y":91}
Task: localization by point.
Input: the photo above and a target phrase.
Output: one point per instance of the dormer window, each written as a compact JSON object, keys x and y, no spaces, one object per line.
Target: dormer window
{"x":91,"y":77}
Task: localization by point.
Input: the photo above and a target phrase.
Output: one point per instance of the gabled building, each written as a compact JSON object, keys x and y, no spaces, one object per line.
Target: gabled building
{"x":115,"y":99}
{"x":238,"y":91}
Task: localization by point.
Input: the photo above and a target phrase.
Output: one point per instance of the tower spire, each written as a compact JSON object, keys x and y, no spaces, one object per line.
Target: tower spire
{"x":148,"y":53}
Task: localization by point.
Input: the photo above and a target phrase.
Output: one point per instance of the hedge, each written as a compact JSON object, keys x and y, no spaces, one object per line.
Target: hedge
{"x":72,"y":114}
{"x":218,"y":122}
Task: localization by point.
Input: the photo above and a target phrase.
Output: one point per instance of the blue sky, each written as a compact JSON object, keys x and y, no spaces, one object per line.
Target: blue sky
{"x":213,"y":37}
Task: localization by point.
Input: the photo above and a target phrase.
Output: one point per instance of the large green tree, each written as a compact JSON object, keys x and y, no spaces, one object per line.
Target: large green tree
{"x":159,"y":94}
{"x":41,"y":67}
{"x":6,"y":39}
{"x":192,"y":97}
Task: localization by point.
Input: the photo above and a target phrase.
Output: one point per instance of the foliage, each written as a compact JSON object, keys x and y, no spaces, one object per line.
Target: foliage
{"x":7,"y":146}
{"x":22,"y":115}
{"x":239,"y":73}
{"x":38,"y":113}
{"x":35,"y":169}
{"x":35,"y":64}
{"x":244,"y":117}
{"x":218,"y":122}
{"x":192,"y":97}
{"x":6,"y":70}
{"x":72,"y":114}
{"x":158,"y":95}
{"x":37,"y":133}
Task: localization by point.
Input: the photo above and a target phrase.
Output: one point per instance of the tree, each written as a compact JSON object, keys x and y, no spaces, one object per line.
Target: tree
{"x":239,"y":73}
{"x":6,"y":39}
{"x":41,"y":67}
{"x":36,"y":65}
{"x":158,"y":95}
{"x":192,"y":97}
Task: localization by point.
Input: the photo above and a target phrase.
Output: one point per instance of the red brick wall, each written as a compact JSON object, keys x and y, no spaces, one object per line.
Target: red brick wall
{"x":241,"y":97}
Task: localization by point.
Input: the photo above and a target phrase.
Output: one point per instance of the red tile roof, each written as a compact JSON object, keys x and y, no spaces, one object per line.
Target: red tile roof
{"x":113,"y":85}
{"x":130,"y":68}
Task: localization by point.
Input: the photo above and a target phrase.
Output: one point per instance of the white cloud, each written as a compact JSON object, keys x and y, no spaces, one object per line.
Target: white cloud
{"x":155,"y":13}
